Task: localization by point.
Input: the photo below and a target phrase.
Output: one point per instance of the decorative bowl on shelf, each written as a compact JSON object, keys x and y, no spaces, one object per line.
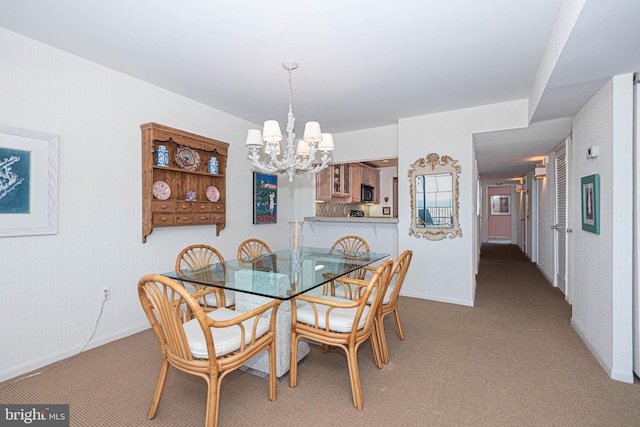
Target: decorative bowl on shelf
{"x":187,"y":158}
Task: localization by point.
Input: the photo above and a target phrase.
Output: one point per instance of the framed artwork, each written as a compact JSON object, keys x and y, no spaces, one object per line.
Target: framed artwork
{"x":591,"y":203}
{"x":265,"y":198}
{"x":500,"y":204}
{"x":386,"y":210}
{"x":28,"y":182}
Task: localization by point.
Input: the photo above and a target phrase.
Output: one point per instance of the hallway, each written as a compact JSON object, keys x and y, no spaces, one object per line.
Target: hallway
{"x":526,"y":337}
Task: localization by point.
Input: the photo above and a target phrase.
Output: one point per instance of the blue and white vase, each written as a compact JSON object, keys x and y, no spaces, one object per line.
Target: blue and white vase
{"x":213,"y":165}
{"x":162,"y":156}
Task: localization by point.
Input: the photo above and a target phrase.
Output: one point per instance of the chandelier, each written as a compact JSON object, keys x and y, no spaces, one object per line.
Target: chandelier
{"x":296,"y":159}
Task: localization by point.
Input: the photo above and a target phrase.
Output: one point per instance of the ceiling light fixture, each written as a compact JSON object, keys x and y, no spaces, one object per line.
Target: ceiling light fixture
{"x":295,"y":159}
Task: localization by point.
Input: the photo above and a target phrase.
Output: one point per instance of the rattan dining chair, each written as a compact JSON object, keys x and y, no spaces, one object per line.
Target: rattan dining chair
{"x":353,"y":247}
{"x":209,"y":345}
{"x":390,"y":301}
{"x":252,"y":249}
{"x":340,"y":322}
{"x":196,"y":256}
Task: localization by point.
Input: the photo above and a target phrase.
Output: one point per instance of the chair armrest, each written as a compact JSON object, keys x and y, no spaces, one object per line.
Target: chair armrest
{"x":256,"y":312}
{"x":353,"y":288}
{"x":370,"y":268}
{"x":327,"y":302}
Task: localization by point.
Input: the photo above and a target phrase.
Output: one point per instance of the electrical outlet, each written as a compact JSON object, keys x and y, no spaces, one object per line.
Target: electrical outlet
{"x":105,"y":293}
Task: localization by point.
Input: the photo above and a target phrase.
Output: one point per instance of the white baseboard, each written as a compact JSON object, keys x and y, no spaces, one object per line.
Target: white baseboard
{"x":614,"y":374}
{"x":439,"y":299}
{"x":32,"y":365}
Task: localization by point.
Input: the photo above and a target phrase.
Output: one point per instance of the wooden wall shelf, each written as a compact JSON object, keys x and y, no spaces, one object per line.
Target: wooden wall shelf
{"x":176,"y":211}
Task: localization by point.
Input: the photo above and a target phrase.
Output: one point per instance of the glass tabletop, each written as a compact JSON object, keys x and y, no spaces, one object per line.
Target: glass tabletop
{"x":281,"y":274}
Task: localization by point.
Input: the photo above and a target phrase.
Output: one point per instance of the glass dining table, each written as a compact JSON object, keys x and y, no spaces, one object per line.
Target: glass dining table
{"x":280,"y":275}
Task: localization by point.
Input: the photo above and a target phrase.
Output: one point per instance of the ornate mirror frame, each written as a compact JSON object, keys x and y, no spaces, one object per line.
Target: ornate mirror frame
{"x":432,"y":165}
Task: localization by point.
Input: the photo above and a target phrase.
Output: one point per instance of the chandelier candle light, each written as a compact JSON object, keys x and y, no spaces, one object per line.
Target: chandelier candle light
{"x":296,"y":159}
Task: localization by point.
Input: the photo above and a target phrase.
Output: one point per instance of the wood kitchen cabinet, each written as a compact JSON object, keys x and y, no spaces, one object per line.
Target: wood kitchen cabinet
{"x":334,"y":183}
{"x":356,"y":180}
{"x":341,"y":182}
{"x":323,"y":184}
{"x":371,"y":176}
{"x":164,"y":188}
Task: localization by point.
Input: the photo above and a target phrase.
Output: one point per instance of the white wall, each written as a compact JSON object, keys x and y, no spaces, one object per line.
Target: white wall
{"x":366,"y":144}
{"x":602,"y":273}
{"x":445,"y":270}
{"x":50,"y":300}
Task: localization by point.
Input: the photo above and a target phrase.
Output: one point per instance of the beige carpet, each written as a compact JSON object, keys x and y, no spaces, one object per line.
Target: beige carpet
{"x":512,"y":360}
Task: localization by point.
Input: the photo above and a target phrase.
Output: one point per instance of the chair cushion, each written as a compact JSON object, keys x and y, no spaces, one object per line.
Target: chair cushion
{"x":340,"y":319}
{"x":225,"y":340}
{"x":385,"y":300}
{"x":387,"y":295}
{"x":229,"y":297}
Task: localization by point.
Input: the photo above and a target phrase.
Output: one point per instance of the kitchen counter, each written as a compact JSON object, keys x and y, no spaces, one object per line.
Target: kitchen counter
{"x":361,"y":220}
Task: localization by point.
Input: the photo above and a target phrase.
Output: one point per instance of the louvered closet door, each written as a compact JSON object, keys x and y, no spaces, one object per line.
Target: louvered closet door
{"x":561,"y":220}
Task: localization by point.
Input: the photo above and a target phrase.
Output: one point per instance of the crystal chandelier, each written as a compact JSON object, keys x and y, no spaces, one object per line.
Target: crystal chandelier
{"x":297,"y":159}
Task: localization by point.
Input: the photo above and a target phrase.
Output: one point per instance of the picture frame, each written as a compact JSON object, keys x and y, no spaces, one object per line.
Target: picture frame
{"x":500,"y":204}
{"x":28,"y":182}
{"x":386,"y":210}
{"x":265,"y":198}
{"x":590,"y":191}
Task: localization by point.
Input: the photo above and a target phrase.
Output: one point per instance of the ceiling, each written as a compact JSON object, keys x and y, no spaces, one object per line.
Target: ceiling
{"x":361,"y":66}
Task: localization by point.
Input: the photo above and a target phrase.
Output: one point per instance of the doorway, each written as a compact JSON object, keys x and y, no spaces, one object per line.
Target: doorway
{"x":499,"y":211}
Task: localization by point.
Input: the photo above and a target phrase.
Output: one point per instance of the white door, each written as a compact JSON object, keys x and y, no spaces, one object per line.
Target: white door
{"x":560,"y":226}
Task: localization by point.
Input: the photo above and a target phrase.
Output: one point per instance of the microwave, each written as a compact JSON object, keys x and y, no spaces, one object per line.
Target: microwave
{"x":366,"y":193}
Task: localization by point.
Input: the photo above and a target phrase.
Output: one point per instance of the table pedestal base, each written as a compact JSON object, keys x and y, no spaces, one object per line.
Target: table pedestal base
{"x":247,"y":302}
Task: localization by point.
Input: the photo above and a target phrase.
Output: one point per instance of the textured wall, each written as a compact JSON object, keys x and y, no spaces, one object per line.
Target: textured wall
{"x":50,"y":301}
{"x":449,"y":133}
{"x":602,"y":276}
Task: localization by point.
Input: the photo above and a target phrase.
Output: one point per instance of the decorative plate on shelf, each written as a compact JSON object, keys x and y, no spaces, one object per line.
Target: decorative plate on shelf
{"x":161,"y":190}
{"x":187,"y":158}
{"x":213,"y":194}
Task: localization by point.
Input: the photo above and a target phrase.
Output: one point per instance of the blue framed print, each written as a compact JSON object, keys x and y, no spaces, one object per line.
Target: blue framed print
{"x":15,"y":178}
{"x":28,"y":182}
{"x":591,"y":203}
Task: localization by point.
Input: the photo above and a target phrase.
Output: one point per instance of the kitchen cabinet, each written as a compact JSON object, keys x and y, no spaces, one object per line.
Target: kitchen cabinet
{"x":371,"y":176}
{"x":341,"y":183}
{"x":323,"y":184}
{"x":356,"y":179}
{"x":165,"y":188}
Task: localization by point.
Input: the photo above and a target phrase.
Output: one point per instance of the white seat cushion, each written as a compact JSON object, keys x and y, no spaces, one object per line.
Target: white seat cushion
{"x":229,"y":297}
{"x":225,"y":340}
{"x":340,"y":319}
{"x":385,"y":300}
{"x":340,"y":290}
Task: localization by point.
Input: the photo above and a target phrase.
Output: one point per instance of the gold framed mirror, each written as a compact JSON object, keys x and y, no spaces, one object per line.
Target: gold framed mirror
{"x":434,"y":197}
